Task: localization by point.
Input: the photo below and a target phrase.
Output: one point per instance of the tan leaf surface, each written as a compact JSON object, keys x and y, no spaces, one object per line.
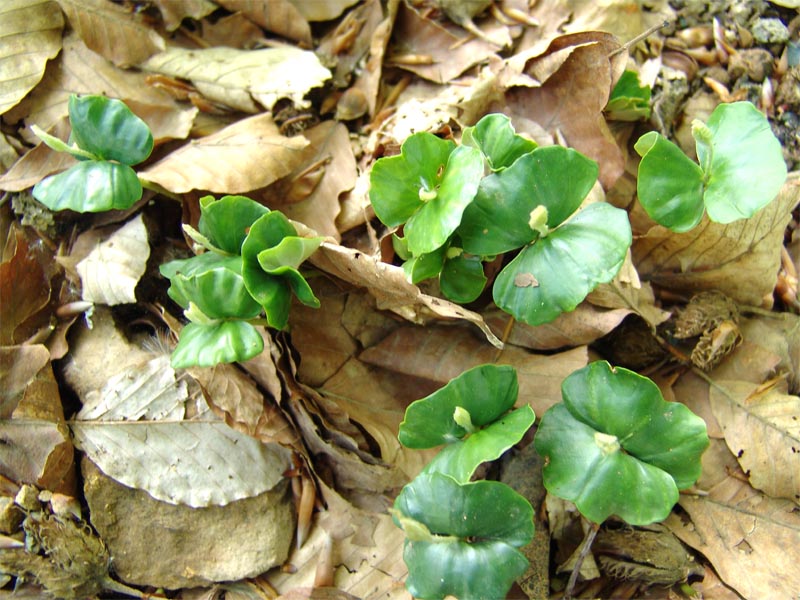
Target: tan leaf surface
{"x":441,"y":353}
{"x":390,"y":288}
{"x":236,"y":31}
{"x":38,"y":163}
{"x":38,"y":452}
{"x":165,"y":122}
{"x":277,"y":16}
{"x":78,"y":70}
{"x":112,"y":31}
{"x":750,"y":539}
{"x":174,"y":12}
{"x":247,"y":155}
{"x":581,"y":326}
{"x":637,"y":298}
{"x":330,"y":155}
{"x":30,"y":35}
{"x":570,"y":102}
{"x":240,"y":78}
{"x":110,"y":272}
{"x":322,"y":11}
{"x":761,"y":428}
{"x":8,"y":153}
{"x":740,"y":259}
{"x":28,"y":388}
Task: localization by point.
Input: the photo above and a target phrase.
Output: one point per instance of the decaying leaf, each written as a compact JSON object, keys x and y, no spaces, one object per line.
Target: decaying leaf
{"x":277,"y":16}
{"x":111,"y":271}
{"x":28,"y":388}
{"x":197,"y":463}
{"x":240,"y":78}
{"x":30,"y":32}
{"x":37,"y":452}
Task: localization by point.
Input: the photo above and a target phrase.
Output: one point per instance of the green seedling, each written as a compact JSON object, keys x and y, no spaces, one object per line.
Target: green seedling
{"x":741,"y":170}
{"x":462,"y":537}
{"x":615,"y":447}
{"x":249,"y":267}
{"x":107,"y":139}
{"x":526,"y":204}
{"x":629,"y":100}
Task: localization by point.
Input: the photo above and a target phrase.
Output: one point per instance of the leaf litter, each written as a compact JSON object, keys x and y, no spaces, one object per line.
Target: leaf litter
{"x":290,"y":103}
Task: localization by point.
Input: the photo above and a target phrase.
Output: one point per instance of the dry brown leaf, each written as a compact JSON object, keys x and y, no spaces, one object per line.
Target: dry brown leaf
{"x":242,"y":78}
{"x":165,"y":122}
{"x":173,"y":13}
{"x":277,"y":16}
{"x":761,"y":428}
{"x":390,"y":288}
{"x":78,"y":70}
{"x":570,"y":102}
{"x":441,"y":353}
{"x":29,"y":388}
{"x":8,"y":153}
{"x":579,"y":327}
{"x":235,"y":31}
{"x":30,"y":35}
{"x":740,"y":259}
{"x":247,"y":155}
{"x":322,"y":11}
{"x":38,"y":163}
{"x":326,"y":169}
{"x":638,"y":299}
{"x":38,"y":452}
{"x":112,"y":31}
{"x":750,"y":539}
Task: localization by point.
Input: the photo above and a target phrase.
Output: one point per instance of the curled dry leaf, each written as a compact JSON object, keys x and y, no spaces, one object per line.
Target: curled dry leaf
{"x":112,"y":31}
{"x":247,"y":155}
{"x":29,"y":387}
{"x":240,"y":78}
{"x":277,"y":16}
{"x":38,"y":452}
{"x":31,"y":35}
{"x":173,"y":13}
{"x":111,"y":271}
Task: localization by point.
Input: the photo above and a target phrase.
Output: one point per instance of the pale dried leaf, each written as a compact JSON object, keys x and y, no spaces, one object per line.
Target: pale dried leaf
{"x":390,"y":288}
{"x":112,"y":31}
{"x":197,"y":463}
{"x":277,"y":16}
{"x":639,"y":299}
{"x":78,"y":70}
{"x":148,"y":391}
{"x":33,"y":166}
{"x":235,"y":31}
{"x":37,"y":452}
{"x":441,"y":353}
{"x":313,"y":10}
{"x":761,"y":428}
{"x":329,"y":150}
{"x":30,"y":35}
{"x":173,"y":13}
{"x":247,"y":155}
{"x":240,"y":78}
{"x":19,"y":365}
{"x":165,"y":122}
{"x":110,"y":272}
{"x":8,"y":153}
{"x":740,"y":259}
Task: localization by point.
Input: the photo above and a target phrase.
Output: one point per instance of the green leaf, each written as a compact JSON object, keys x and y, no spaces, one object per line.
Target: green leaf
{"x":107,"y":128}
{"x":208,"y":345}
{"x":490,"y":519}
{"x":614,"y":446}
{"x":396,"y":181}
{"x":670,"y":184}
{"x":425,"y":266}
{"x":462,"y":279}
{"x":214,"y":283}
{"x":90,"y":186}
{"x":497,"y":220}
{"x":747,"y":167}
{"x":629,"y":101}
{"x":486,"y":392}
{"x":460,"y":459}
{"x":556,"y":273}
{"x":61,"y":146}
{"x":226,"y":221}
{"x":495,"y":137}
{"x":430,"y":227}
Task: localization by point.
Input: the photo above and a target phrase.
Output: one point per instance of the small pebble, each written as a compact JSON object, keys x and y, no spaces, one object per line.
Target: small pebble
{"x":756,"y":63}
{"x":769,"y":31}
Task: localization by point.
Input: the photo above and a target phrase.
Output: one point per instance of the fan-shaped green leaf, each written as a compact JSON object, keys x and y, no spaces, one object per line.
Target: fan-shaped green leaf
{"x":222,"y":342}
{"x":90,"y":186}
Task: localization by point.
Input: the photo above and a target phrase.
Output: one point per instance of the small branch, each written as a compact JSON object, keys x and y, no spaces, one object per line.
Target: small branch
{"x":585,"y":547}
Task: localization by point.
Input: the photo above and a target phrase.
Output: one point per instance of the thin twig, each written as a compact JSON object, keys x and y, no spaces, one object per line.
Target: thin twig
{"x":585,"y":547}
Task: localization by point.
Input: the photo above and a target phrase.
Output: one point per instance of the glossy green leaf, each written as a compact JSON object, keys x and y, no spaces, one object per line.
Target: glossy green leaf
{"x":462,"y":279}
{"x":90,"y":186}
{"x":396,"y":181}
{"x":489,"y":520}
{"x":497,"y":220}
{"x":614,"y":446}
{"x":747,"y":168}
{"x":223,"y":342}
{"x":460,"y":459}
{"x":430,"y":227}
{"x":485,"y":391}
{"x":226,"y":221}
{"x":425,"y":266}
{"x":670,"y":184}
{"x":557,"y":272}
{"x":629,"y":101}
{"x":495,"y":137}
{"x":107,"y":128}
{"x":212,"y":282}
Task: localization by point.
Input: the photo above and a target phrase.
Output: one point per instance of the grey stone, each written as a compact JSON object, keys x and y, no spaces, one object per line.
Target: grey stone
{"x":770,"y":31}
{"x":154,"y":543}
